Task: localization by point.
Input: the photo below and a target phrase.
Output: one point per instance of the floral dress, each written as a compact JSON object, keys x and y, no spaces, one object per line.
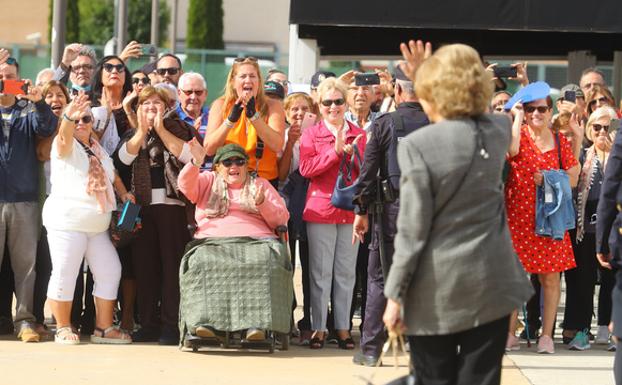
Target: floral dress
{"x":537,"y":254}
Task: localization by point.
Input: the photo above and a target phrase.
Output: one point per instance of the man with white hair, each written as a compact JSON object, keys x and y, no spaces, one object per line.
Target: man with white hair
{"x":192,"y":92}
{"x":77,"y":66}
{"x":44,"y":76}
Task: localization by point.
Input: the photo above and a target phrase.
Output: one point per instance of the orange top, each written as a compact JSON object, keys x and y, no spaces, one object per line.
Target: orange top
{"x":245,"y":134}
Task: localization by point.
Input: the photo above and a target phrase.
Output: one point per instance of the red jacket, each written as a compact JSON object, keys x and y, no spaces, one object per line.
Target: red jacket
{"x":320,"y":164}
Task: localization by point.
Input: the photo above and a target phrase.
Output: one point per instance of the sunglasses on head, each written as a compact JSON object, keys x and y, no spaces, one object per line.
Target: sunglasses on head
{"x":245,"y":59}
{"x":86,"y":119}
{"x":598,"y":127}
{"x":601,"y":100}
{"x":237,"y":161}
{"x":190,"y":92}
{"x":11,"y":61}
{"x":171,"y":71}
{"x":109,"y":67}
{"x":329,"y":102}
{"x":144,"y":80}
{"x":541,"y":109}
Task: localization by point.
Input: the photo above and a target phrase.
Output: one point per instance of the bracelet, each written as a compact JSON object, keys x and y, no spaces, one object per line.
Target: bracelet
{"x":228,"y":123}
{"x":255,"y":117}
{"x":68,"y":118}
{"x":194,"y":164}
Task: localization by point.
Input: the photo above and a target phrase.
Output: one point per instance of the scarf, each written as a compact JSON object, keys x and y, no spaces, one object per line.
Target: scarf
{"x":586,"y":178}
{"x":218,"y":201}
{"x":98,"y":184}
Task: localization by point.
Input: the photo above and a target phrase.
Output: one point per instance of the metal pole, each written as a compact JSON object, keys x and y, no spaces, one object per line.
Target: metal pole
{"x":617,"y":75}
{"x":121,"y":26}
{"x":155,"y":25}
{"x":174,"y":27}
{"x":59,"y":14}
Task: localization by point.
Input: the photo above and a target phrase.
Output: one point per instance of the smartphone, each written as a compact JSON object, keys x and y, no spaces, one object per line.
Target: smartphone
{"x":366,"y":79}
{"x":505,"y":72}
{"x":13,"y":87}
{"x":148,"y":50}
{"x":570,"y":96}
{"x":307,"y":121}
{"x":129,"y":216}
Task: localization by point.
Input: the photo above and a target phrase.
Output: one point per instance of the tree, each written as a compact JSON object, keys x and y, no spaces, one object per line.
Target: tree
{"x":72,"y":21}
{"x":205,"y":24}
{"x":97,"y":21}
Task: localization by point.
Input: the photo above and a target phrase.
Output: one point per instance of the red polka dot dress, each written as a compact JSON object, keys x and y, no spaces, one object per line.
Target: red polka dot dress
{"x":537,"y":254}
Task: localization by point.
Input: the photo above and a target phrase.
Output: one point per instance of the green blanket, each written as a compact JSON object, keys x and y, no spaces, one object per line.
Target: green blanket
{"x":235,"y":283}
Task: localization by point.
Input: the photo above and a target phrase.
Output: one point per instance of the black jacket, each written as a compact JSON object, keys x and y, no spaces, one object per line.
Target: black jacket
{"x":378,"y":145}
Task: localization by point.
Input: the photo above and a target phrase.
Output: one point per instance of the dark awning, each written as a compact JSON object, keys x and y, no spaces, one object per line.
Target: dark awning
{"x":510,"y":27}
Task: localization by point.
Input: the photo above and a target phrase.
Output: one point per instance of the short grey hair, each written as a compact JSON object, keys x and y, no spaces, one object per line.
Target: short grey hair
{"x":191,"y":75}
{"x":88,"y":51}
{"x":172,"y":91}
{"x":406,"y":85}
{"x":46,"y":72}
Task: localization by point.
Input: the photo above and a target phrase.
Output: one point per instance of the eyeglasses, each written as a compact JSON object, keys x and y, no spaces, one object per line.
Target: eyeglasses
{"x":190,"y":92}
{"x":329,"y":102}
{"x":109,"y":67}
{"x":171,"y":71}
{"x":237,"y":161}
{"x":245,"y":59}
{"x":541,"y":109}
{"x":86,"y":67}
{"x":86,"y":119}
{"x":601,"y":100}
{"x":144,"y":80}
{"x":598,"y":127}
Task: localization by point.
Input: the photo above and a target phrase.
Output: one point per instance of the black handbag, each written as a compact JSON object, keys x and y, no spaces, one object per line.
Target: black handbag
{"x":343,"y":194}
{"x":122,"y":234}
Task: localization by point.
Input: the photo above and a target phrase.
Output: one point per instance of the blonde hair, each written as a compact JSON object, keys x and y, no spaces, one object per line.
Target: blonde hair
{"x":595,"y":91}
{"x":230,"y":95}
{"x":455,"y":82}
{"x":296,"y":96}
{"x":149,"y":91}
{"x":330,"y":84}
{"x":599,"y":113}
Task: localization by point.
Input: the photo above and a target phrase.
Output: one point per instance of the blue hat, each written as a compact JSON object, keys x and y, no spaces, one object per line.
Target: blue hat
{"x":534,"y":91}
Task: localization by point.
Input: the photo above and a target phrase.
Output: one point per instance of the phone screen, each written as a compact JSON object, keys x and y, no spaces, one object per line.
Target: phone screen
{"x":308,"y":120}
{"x":570,"y":96}
{"x":505,"y":72}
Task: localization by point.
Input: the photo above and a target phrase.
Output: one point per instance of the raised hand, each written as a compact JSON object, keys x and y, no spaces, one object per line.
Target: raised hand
{"x":129,"y":99}
{"x":143,"y":121}
{"x":4,"y":55}
{"x":78,"y":106}
{"x":34,"y":93}
{"x":260,"y":195}
{"x":131,"y":50}
{"x":348,"y":77}
{"x":348,"y":148}
{"x":339,"y":141}
{"x":415,"y":52}
{"x":71,"y":53}
{"x":294,"y":132}
{"x":236,"y":110}
{"x":250,"y":107}
{"x":197,"y":151}
{"x":521,"y":73}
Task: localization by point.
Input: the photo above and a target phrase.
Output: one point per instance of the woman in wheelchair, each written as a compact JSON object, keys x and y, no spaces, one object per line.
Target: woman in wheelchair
{"x":237,"y":214}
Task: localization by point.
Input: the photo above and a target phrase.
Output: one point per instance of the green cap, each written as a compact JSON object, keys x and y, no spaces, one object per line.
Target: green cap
{"x":231,"y":150}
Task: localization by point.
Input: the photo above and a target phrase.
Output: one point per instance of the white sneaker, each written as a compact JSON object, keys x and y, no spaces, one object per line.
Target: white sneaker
{"x":602,"y":336}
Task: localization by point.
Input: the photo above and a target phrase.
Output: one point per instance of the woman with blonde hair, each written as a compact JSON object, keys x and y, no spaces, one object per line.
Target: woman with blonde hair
{"x":244,"y":115}
{"x":454,"y":271}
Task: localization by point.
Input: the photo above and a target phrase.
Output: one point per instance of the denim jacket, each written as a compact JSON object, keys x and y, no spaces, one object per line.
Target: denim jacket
{"x":554,"y":209}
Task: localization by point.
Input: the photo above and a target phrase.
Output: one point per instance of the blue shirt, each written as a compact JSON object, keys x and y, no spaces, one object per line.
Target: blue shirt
{"x":190,"y":120}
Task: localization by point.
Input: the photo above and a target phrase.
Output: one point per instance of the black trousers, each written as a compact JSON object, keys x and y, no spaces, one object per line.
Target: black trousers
{"x":580,"y":283}
{"x":466,"y":358}
{"x":7,"y":286}
{"x":303,"y":245}
{"x":43,"y":267}
{"x":533,"y":306}
{"x":607,"y":282}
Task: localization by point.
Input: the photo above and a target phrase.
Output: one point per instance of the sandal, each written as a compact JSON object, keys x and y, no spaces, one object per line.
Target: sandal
{"x":316,"y":343}
{"x":66,"y":336}
{"x":101,"y":336}
{"x":346,"y":344}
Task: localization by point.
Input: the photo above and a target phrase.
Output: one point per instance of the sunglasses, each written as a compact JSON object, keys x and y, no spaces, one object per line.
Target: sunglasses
{"x":598,"y":127}
{"x":171,"y":71}
{"x":245,"y":59}
{"x":144,"y":80}
{"x":190,"y":92}
{"x":109,"y":67}
{"x":541,"y":109}
{"x":329,"y":102}
{"x":602,"y":100}
{"x":86,"y":119}
{"x":11,"y":61}
{"x":86,"y":67}
{"x":231,"y":161}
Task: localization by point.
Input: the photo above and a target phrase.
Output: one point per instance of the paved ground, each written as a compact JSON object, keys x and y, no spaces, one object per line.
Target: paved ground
{"x":51,"y":364}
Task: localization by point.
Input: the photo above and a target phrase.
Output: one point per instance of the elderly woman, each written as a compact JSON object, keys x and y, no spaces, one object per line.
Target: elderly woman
{"x":538,"y":148}
{"x":230,"y":202}
{"x":76,"y":216}
{"x":580,"y":282}
{"x":156,"y":152}
{"x":454,"y":272}
{"x":297,"y":105}
{"x":243,"y":115}
{"x":332,"y":256}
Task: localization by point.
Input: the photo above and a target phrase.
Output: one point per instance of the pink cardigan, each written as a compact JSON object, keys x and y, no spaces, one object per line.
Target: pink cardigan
{"x":320,"y":164}
{"x":197,"y":186}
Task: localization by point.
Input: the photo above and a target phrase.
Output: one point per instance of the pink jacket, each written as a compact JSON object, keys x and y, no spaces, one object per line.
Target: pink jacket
{"x":320,"y":164}
{"x":237,"y":223}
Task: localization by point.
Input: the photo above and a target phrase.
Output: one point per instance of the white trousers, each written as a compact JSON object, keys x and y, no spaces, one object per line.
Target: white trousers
{"x":67,"y":248}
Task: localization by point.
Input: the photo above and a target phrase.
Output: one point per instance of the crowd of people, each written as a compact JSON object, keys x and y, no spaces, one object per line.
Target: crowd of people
{"x":261,"y":156}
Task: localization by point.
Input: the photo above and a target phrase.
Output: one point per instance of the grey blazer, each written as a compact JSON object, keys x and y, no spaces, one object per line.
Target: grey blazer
{"x":454,"y":266}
